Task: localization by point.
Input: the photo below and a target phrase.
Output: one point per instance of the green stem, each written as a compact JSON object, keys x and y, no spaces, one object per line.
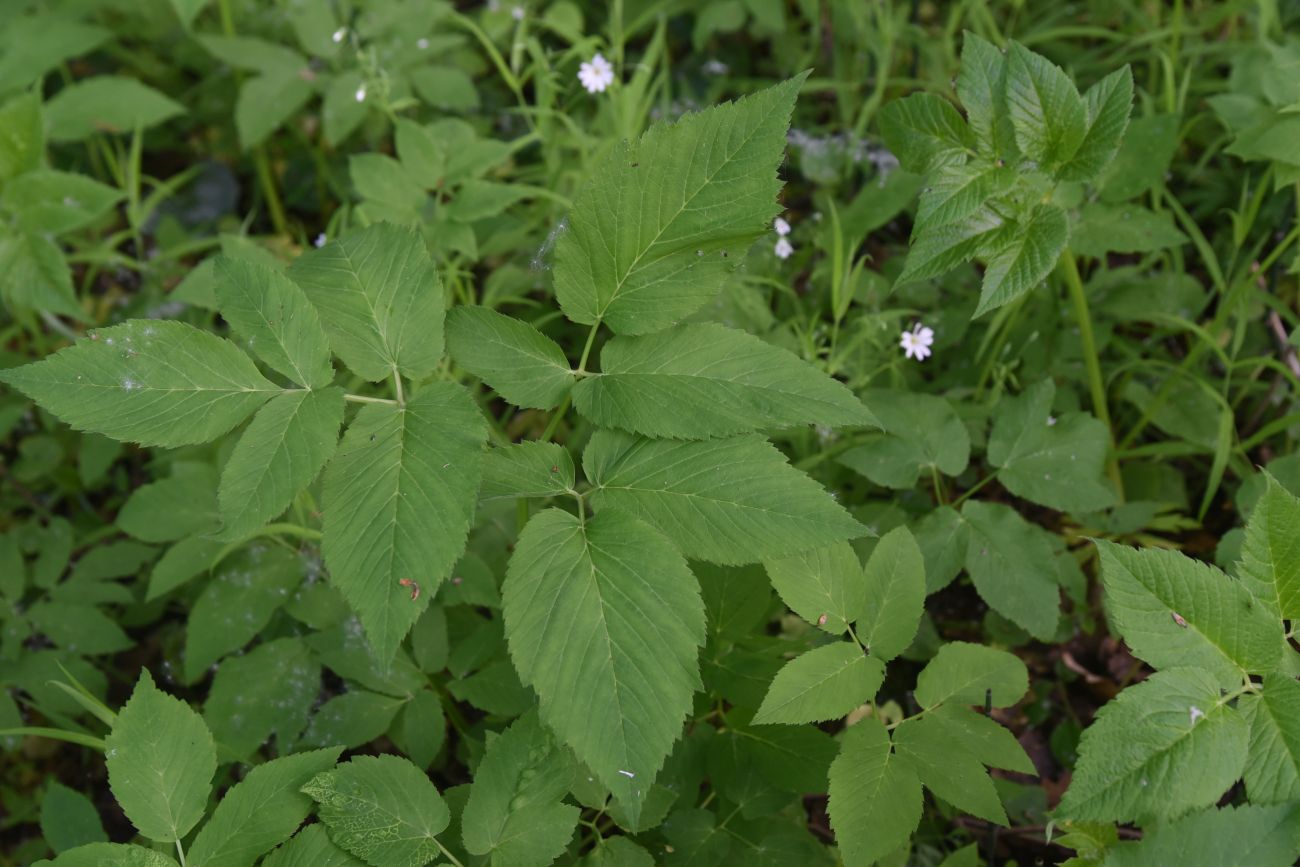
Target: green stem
{"x":397,"y":385}
{"x":361,"y":398}
{"x":586,"y":350}
{"x":55,"y":734}
{"x":180,"y":853}
{"x":556,"y":417}
{"x":1096,"y":385}
{"x":450,"y":857}
{"x":266,"y":179}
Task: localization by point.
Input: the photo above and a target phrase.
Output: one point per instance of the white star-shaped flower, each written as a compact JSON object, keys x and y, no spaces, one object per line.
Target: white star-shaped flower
{"x":596,"y":74}
{"x":784,"y":249}
{"x":781,"y":226}
{"x":916,"y":343}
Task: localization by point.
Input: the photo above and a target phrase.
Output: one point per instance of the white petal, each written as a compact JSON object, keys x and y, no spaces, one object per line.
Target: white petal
{"x":781,"y":226}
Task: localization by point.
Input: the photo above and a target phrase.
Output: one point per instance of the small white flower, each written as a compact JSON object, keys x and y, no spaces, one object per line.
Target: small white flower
{"x":1051,"y":420}
{"x":361,"y":93}
{"x":339,"y":34}
{"x":320,"y":240}
{"x":596,"y":75}
{"x":715,"y":67}
{"x":517,"y":13}
{"x":784,"y":249}
{"x":781,"y":226}
{"x":916,"y":343}
{"x":422,"y":43}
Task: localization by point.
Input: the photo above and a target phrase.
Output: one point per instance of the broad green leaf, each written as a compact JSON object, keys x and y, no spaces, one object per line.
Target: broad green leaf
{"x":77,"y":627}
{"x":825,"y":586}
{"x":1049,"y":116}
{"x":381,"y":178}
{"x":1162,"y":748}
{"x":604,"y":621}
{"x":1242,"y":836}
{"x":1026,"y":254}
{"x":280,"y":453}
{"x":268,"y":691}
{"x":939,"y":249}
{"x":982,"y":737}
{"x":259,"y":812}
{"x":922,"y":432}
{"x":895,"y":595}
{"x":310,"y":847}
{"x":267,"y":101}
{"x":925,"y":131}
{"x":527,"y":469}
{"x":1175,"y":611}
{"x":188,"y":10}
{"x":822,"y":684}
{"x":68,"y":819}
{"x":662,"y":221}
{"x":110,"y":855}
{"x":875,"y":800}
{"x":706,"y":380}
{"x":173,"y":508}
{"x":1143,"y":158}
{"x":34,"y":44}
{"x":420,"y":728}
{"x":383,"y":809}
{"x":981,"y":87}
{"x":955,"y":192}
{"x":273,"y":316}
{"x":520,"y":363}
{"x":421,"y":152}
{"x":37,"y":276}
{"x":1270,"y":555}
{"x":1124,"y":228}
{"x":1013,"y":567}
{"x":1272,"y":772}
{"x":943,"y":538}
{"x":964,"y":674}
{"x":380,"y":300}
{"x":23,"y":144}
{"x":1054,"y":462}
{"x":246,"y":591}
{"x":514,"y":812}
{"x":946,"y":768}
{"x":399,"y":495}
{"x":160,"y":761}
{"x":727,"y":501}
{"x":157,"y":383}
{"x":1109,"y":103}
{"x":736,"y":598}
{"x":49,"y":202}
{"x":186,"y":559}
{"x":106,"y":103}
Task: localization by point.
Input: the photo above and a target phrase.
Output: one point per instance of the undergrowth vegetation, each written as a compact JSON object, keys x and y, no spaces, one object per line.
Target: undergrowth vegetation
{"x":743,"y":432}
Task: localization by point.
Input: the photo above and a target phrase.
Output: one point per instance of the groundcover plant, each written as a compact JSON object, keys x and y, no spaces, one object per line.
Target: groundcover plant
{"x":741,"y":432}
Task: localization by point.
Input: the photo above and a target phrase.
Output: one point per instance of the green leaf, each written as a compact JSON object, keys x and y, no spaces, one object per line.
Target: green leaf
{"x":938,"y":249}
{"x":157,"y":383}
{"x":1270,"y":555}
{"x":186,"y":559}
{"x":381,"y":178}
{"x":604,"y":621}
{"x":825,"y":586}
{"x":895,"y":595}
{"x":875,"y":799}
{"x":380,"y":300}
{"x":1027,"y":253}
{"x":527,"y":469}
{"x":23,"y":145}
{"x":946,"y":768}
{"x":420,"y":728}
{"x":728,"y":501}
{"x":1055,"y":462}
{"x":822,"y":684}
{"x":1162,"y":748}
{"x":1126,"y":228}
{"x":37,"y":276}
{"x":1013,"y":567}
{"x":238,"y":603}
{"x":1272,"y":772}
{"x":956,"y":192}
{"x":281,"y":452}
{"x":79,"y":628}
{"x":275,"y":319}
{"x":705,"y":380}
{"x":520,"y":363}
{"x":68,"y":819}
{"x":1049,"y":117}
{"x":383,"y":809}
{"x":981,"y":87}
{"x":964,"y":674}
{"x":399,"y":495}
{"x":110,"y":855}
{"x":514,"y":812}
{"x":48,"y":202}
{"x":267,"y":101}
{"x":269,"y":690}
{"x":982,"y":737}
{"x":1174,"y":611}
{"x":160,"y":761}
{"x":259,"y":812}
{"x":1109,"y":103}
{"x":172,"y":508}
{"x":310,"y":847}
{"x":106,"y":103}
{"x":924,"y":131}
{"x":661,"y":222}
{"x":923,"y":431}
{"x":1243,"y":836}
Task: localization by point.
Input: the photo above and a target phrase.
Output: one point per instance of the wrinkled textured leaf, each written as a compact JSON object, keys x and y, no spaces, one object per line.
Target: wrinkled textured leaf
{"x":1049,"y":116}
{"x":1027,"y":253}
{"x":1272,"y":772}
